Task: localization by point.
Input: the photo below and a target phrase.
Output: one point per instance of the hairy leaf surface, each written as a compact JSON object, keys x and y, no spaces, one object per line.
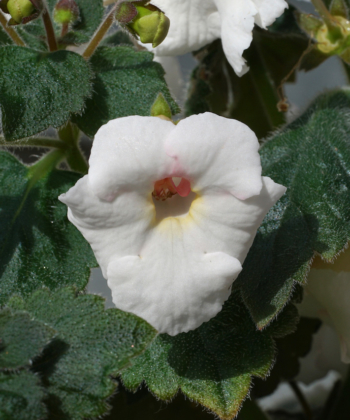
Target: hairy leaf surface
{"x":21,"y":339}
{"x":91,"y":345}
{"x":311,"y":157}
{"x":38,"y":245}
{"x":214,"y":364}
{"x":126,"y":83}
{"x":21,"y":397}
{"x":43,"y":91}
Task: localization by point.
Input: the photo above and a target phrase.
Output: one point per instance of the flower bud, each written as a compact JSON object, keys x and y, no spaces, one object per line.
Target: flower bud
{"x":150,"y":24}
{"x":3,"y":6}
{"x":66,"y":11}
{"x":161,"y":107}
{"x":20,"y":9}
{"x":329,"y":44}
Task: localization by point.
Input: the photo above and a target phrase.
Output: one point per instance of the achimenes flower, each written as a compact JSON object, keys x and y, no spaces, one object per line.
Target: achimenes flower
{"x":329,"y":285}
{"x":195,"y":23}
{"x":171,"y":212}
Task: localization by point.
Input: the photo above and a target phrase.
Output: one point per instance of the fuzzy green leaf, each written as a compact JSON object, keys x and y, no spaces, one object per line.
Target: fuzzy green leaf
{"x":126,"y":83}
{"x":214,"y":364}
{"x":91,"y":345}
{"x":21,"y":396}
{"x":21,"y":339}
{"x":38,"y":89}
{"x":311,"y":157}
{"x":38,"y":245}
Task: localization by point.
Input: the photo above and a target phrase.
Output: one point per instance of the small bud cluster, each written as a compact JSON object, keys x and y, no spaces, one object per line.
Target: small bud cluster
{"x":143,"y":20}
{"x":331,"y":33}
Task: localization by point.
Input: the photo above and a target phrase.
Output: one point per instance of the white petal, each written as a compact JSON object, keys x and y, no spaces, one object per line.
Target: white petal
{"x":237,"y":22}
{"x":269,"y":11}
{"x":193,"y":24}
{"x":113,"y":229}
{"x":332,"y":291}
{"x":218,"y":153}
{"x":131,"y":150}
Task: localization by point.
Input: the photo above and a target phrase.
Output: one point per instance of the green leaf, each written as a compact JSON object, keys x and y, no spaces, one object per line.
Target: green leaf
{"x":21,"y":396}
{"x":289,"y":350}
{"x":214,"y":364}
{"x":253,"y":98}
{"x":126,"y":83}
{"x":311,"y":157}
{"x":21,"y":339}
{"x":38,"y":89}
{"x":92,"y":344}
{"x":90,"y":16}
{"x":38,"y":245}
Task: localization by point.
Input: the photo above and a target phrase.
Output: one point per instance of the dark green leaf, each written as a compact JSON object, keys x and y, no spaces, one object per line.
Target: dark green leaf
{"x":91,"y":345}
{"x":118,"y":38}
{"x":311,"y":157}
{"x":289,"y":350}
{"x":38,"y":246}
{"x":38,"y":89}
{"x":4,"y":38}
{"x":21,"y":396}
{"x":214,"y":364}
{"x":21,"y":339}
{"x":127,"y":83}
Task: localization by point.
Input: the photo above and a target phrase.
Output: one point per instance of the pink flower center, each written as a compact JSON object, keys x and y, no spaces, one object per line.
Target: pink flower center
{"x":167,"y":187}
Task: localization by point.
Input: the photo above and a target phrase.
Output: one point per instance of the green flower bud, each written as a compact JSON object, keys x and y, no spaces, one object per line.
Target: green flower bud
{"x":20,"y":9}
{"x":150,"y":24}
{"x":328,"y":44}
{"x":66,"y":11}
{"x":3,"y":6}
{"x":161,"y":107}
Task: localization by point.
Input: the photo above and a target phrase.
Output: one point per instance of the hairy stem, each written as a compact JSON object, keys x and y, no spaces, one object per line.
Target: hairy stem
{"x":69,"y":134}
{"x":302,"y":400}
{"x":11,"y":32}
{"x":50,"y":33}
{"x":44,"y":166}
{"x":100,"y":33}
{"x":35,"y":142}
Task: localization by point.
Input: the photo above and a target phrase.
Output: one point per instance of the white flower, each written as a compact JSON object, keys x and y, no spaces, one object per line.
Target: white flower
{"x":195,"y":23}
{"x":172,"y":262}
{"x":329,"y":285}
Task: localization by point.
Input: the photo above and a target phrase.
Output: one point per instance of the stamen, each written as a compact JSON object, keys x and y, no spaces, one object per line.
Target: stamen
{"x":167,"y":187}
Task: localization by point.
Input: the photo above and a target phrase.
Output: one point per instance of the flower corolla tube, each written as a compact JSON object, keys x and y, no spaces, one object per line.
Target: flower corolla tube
{"x":170,"y":212}
{"x":196,"y":23}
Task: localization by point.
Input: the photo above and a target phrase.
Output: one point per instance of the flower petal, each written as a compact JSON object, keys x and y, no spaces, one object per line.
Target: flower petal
{"x":113,"y":229}
{"x":217,"y":153}
{"x":269,"y":11}
{"x":193,"y":24}
{"x":132,"y":152}
{"x":237,"y":23}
